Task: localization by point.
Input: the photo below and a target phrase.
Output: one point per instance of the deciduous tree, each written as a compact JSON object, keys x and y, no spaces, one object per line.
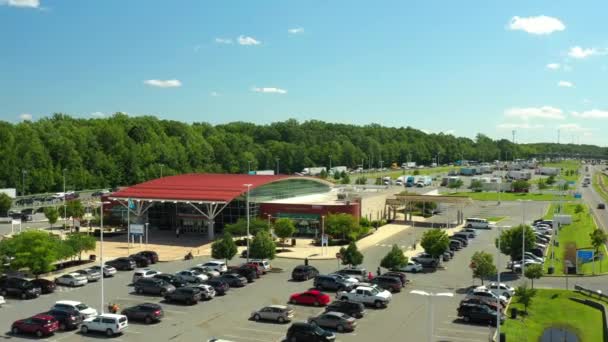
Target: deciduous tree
{"x":351,"y":255}
{"x":511,"y":241}
{"x":482,"y":264}
{"x":284,"y":228}
{"x":394,"y":259}
{"x":262,"y":246}
{"x":81,"y":243}
{"x":5,"y":204}
{"x":224,"y":248}
{"x":533,"y":271}
{"x":51,"y":214}
{"x":435,"y":242}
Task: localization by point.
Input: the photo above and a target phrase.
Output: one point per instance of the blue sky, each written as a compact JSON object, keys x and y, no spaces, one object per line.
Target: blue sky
{"x":440,"y":66}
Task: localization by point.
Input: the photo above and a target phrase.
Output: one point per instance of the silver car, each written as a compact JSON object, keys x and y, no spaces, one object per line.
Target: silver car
{"x":334,"y":320}
{"x":278,"y":313}
{"x":108,"y":271}
{"x":91,"y":274}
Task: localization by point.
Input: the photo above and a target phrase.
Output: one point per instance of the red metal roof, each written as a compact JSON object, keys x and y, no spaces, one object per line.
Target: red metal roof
{"x":196,"y":187}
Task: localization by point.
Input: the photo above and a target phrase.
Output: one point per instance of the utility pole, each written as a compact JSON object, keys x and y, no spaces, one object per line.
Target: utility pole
{"x":247,"y":203}
{"x":278,"y":165}
{"x":248,"y":166}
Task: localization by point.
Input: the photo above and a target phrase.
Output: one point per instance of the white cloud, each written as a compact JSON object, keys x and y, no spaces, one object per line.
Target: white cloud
{"x":21,"y":3}
{"x":246,"y":40}
{"x":565,"y":84}
{"x":449,"y":131}
{"x":573,"y":127}
{"x":223,"y":40}
{"x":163,"y":83}
{"x":537,"y":25}
{"x":544,"y":112}
{"x":98,"y":114}
{"x":296,"y":30}
{"x":591,"y":114}
{"x":25,"y":117}
{"x":519,"y":126}
{"x":586,"y":101}
{"x":581,"y":53}
{"x":553,"y":66}
{"x":269,"y":90}
{"x":214,"y":94}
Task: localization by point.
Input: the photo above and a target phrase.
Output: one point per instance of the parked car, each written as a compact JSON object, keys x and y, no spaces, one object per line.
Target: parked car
{"x":492,"y":304}
{"x":68,"y":319}
{"x":72,"y":279}
{"x":255,"y":267}
{"x":233,"y":279}
{"x":310,"y":297}
{"x":411,"y":266}
{"x":399,"y":275}
{"x":304,"y":272}
{"x":153,"y":286}
{"x":68,"y":305}
{"x":334,"y":320}
{"x":601,"y":206}
{"x":110,"y":324}
{"x":485,"y":294}
{"x":171,"y":279}
{"x":140,"y":260}
{"x":263,"y":263}
{"x":426,"y":260}
{"x":472,"y":232}
{"x":216,"y":265}
{"x":367,"y":296}
{"x":350,"y":308}
{"x":151,"y":255}
{"x":18,"y":287}
{"x":122,"y":264}
{"x":208,"y":271}
{"x":207,"y":291}
{"x":40,"y":325}
{"x":392,"y":284}
{"x":301,"y":331}
{"x":499,"y":289}
{"x":192,"y":276}
{"x":354,"y":272}
{"x":463,"y":240}
{"x":187,"y":295}
{"x":46,"y":286}
{"x":144,"y":273}
{"x":146,"y":312}
{"x":446,"y":256}
{"x":328,"y":282}
{"x":2,"y":301}
{"x":91,"y":274}
{"x":108,"y":271}
{"x":278,"y":313}
{"x":246,"y":272}
{"x":479,"y":313}
{"x":455,"y":245}
{"x":462,"y":235}
{"x":219,"y":285}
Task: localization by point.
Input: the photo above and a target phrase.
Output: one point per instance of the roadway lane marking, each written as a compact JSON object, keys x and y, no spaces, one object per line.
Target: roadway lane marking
{"x":261,"y":331}
{"x":464,"y":331}
{"x":248,"y":338}
{"x":450,"y":338}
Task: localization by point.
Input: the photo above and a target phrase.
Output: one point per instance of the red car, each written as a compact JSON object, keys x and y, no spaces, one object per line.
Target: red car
{"x":311,"y":297}
{"x":40,"y":325}
{"x":258,"y":269}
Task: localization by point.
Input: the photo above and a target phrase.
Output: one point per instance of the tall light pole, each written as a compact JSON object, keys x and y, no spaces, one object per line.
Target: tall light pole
{"x":247,"y":205}
{"x":23,"y":173}
{"x":329,"y":163}
{"x":64,"y":207}
{"x":278,"y":165}
{"x":523,"y":236}
{"x":248,"y":166}
{"x":161,"y":170}
{"x":499,"y":228}
{"x":430,"y":296}
{"x":101,"y":253}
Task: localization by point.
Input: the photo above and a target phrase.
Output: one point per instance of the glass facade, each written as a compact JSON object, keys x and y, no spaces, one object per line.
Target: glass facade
{"x":286,"y":189}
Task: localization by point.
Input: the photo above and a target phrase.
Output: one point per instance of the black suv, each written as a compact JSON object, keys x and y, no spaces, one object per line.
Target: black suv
{"x":68,"y":319}
{"x":247,"y":273}
{"x":122,"y":264}
{"x":220,"y":286}
{"x":171,"y":279}
{"x":455,"y":245}
{"x":478,"y":313}
{"x":399,"y":275}
{"x":140,"y":260}
{"x":353,"y":309}
{"x":153,"y":286}
{"x":187,"y":295}
{"x":358,"y":273}
{"x":146,"y":312}
{"x":308,"y":332}
{"x":233,"y":279}
{"x":392,"y":284}
{"x":151,"y":255}
{"x":324,"y":282}
{"x":463,"y":241}
{"x":304,"y":272}
{"x":18,"y":287}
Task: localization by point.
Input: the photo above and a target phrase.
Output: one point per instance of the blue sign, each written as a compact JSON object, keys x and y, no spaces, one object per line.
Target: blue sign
{"x":571,"y":182}
{"x":578,"y":195}
{"x":131,"y":204}
{"x":584,"y":256}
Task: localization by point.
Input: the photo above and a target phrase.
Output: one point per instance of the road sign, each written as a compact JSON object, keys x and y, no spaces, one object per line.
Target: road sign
{"x":324,"y":240}
{"x":137,"y":229}
{"x":584,"y":256}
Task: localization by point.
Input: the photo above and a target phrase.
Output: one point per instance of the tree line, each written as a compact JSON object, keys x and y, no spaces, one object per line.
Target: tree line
{"x":123,"y":150}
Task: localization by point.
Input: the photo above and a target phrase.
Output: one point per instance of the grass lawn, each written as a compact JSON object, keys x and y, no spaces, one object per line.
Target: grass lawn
{"x":577,"y":232}
{"x":507,"y":196}
{"x":565,"y":166}
{"x":397,"y":173}
{"x":495,"y":218}
{"x":596,"y":184}
{"x":554,"y":308}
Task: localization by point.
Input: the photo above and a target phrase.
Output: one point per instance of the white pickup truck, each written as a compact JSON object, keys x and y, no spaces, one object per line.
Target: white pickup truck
{"x":367,"y":296}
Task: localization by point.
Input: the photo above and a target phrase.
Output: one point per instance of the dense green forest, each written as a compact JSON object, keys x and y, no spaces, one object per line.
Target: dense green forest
{"x":122,"y":150}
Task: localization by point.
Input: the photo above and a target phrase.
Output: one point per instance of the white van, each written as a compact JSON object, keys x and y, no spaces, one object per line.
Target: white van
{"x":263,"y":263}
{"x":477,"y":223}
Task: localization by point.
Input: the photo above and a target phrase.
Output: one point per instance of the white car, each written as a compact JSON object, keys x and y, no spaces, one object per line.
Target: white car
{"x":69,"y":305}
{"x":529,"y":255}
{"x":411,"y":266}
{"x":192,"y":276}
{"x":216,"y":265}
{"x":144,"y":273}
{"x":498,"y":289}
{"x":345,"y":278}
{"x":263,"y":263}
{"x":485,"y":294}
{"x":108,"y":271}
{"x":110,"y":324}
{"x":72,"y":279}
{"x":2,"y":301}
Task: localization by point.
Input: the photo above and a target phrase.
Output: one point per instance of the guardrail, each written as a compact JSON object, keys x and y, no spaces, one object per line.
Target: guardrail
{"x":590,"y":292}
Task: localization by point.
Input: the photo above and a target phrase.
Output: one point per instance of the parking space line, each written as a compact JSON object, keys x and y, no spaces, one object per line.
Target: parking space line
{"x":174,"y":312}
{"x":465,"y":331}
{"x":451,"y":338}
{"x":248,"y":338}
{"x":261,"y":331}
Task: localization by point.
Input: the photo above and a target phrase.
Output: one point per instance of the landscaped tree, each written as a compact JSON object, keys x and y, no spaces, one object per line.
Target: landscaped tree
{"x":345,"y":178}
{"x":74,"y":209}
{"x":598,"y":239}
{"x":551,"y":180}
{"x":520,"y":186}
{"x":81,"y":243}
{"x":534,"y":271}
{"x":510,"y":241}
{"x":542,"y":184}
{"x":323,"y":174}
{"x":284,"y":228}
{"x":33,"y":249}
{"x":524,"y":295}
{"x":579,"y":209}
{"x":262,"y":246}
{"x":342,"y":225}
{"x":224,"y":248}
{"x":435,"y":242}
{"x":456,"y":184}
{"x":394,"y":259}
{"x":476,"y":185}
{"x":361,"y":180}
{"x":239,"y":228}
{"x":482,"y":264}
{"x":5,"y":204}
{"x":351,"y":255}
{"x":337,"y":175}
{"x":51,"y":214}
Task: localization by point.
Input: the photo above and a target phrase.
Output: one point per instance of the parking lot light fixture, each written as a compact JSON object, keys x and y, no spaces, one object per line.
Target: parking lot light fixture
{"x":430,"y":296}
{"x":101,"y":252}
{"x":247,"y":208}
